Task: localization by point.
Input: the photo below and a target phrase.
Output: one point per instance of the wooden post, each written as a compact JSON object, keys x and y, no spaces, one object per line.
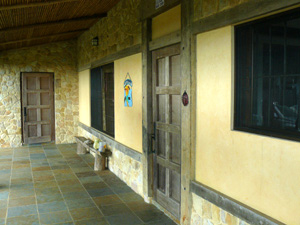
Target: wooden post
{"x":186,"y":19}
{"x":147,"y":158}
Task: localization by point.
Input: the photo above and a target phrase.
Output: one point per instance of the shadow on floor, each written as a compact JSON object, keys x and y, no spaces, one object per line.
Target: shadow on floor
{"x":51,"y":184}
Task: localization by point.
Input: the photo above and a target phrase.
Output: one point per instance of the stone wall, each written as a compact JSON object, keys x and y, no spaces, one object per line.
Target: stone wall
{"x":59,"y":58}
{"x":204,"y":8}
{"x":119,"y":30}
{"x":206,"y":213}
{"x":126,"y":168}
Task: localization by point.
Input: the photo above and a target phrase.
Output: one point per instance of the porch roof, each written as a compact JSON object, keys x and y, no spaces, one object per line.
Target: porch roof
{"x":26,"y":23}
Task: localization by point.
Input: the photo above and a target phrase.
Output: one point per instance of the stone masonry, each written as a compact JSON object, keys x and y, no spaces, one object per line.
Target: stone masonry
{"x":204,"y":8}
{"x":59,"y":58}
{"x":206,"y":213}
{"x":119,"y":30}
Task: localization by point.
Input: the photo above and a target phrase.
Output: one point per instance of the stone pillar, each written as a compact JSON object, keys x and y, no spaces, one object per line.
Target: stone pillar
{"x":81,"y":149}
{"x":99,"y":162}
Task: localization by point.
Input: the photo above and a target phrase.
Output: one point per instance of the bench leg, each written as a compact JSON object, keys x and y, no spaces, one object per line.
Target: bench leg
{"x":99,"y":163}
{"x":81,"y":149}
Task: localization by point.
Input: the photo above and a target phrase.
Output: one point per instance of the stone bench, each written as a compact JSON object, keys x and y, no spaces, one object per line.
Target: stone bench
{"x":100,"y":157}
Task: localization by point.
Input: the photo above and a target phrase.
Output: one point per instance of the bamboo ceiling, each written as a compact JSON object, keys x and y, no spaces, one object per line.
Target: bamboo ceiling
{"x":26,"y":23}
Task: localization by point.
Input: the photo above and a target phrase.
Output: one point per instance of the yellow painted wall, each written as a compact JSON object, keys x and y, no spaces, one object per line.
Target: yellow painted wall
{"x":85,"y":97}
{"x":259,"y":171}
{"x":128,"y":120}
{"x":167,"y":22}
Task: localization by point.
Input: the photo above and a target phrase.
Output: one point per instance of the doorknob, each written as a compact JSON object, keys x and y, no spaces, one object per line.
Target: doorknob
{"x":153,"y":137}
{"x":25,"y":114}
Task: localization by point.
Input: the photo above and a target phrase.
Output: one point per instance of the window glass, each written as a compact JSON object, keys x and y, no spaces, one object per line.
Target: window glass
{"x":102,"y":99}
{"x":268,"y":76}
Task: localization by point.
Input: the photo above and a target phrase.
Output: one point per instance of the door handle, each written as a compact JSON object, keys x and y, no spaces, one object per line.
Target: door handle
{"x":25,"y":114}
{"x":153,"y":137}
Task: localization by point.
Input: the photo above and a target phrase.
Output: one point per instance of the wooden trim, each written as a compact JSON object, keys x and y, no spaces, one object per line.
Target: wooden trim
{"x":35,"y":4}
{"x":42,"y":37}
{"x":112,"y":57}
{"x":147,"y":157}
{"x":112,"y":142}
{"x":232,"y":206}
{"x":53,"y":23}
{"x":85,"y":67}
{"x":149,"y":11}
{"x":186,"y":20}
{"x":164,"y":41}
{"x":242,"y":12}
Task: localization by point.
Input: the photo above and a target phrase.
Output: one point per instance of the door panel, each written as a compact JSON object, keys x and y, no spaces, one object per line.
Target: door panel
{"x":167,"y":120}
{"x":38,"y":107}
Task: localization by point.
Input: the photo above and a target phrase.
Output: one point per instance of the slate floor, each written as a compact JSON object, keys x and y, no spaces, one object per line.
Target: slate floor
{"x":51,"y":184}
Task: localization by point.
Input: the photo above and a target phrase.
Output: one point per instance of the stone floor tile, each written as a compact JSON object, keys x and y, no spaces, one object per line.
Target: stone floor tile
{"x":52,"y":207}
{"x":71,"y":188}
{"x":46,"y":184}
{"x":22,"y":211}
{"x":92,"y":179}
{"x":140,"y":206}
{"x":3,"y":204}
{"x":68,"y":182}
{"x":86,"y":174}
{"x":85,"y":213}
{"x":150,"y":215}
{"x":49,"y":198}
{"x":100,"y":192}
{"x":121,"y":189}
{"x":4,"y":195}
{"x":130,"y":197}
{"x":3,"y":213}
{"x":24,"y":220}
{"x":124,"y":219}
{"x":41,"y":168}
{"x":99,"y":221}
{"x":95,"y":185}
{"x":44,"y":178}
{"x":62,"y":182}
{"x":76,"y":195}
{"x":66,"y":176}
{"x":80,"y":203}
{"x":22,"y":201}
{"x":107,"y":200}
{"x":55,"y":217}
{"x":18,"y":193}
{"x":114,"y":209}
{"x":47,"y":191}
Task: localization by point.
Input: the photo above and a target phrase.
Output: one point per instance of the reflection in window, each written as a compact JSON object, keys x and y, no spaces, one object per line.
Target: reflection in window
{"x":268,"y":76}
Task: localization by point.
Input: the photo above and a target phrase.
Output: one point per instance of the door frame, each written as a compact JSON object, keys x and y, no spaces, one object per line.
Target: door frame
{"x":22,"y":108}
{"x":187,"y":41}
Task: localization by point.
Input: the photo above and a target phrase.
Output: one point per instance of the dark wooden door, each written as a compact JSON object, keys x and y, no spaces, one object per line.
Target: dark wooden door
{"x":166,"y":116}
{"x":38,"y":107}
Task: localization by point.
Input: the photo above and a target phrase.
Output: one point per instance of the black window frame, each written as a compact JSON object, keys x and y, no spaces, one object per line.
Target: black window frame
{"x":102,"y":82}
{"x":284,"y":134}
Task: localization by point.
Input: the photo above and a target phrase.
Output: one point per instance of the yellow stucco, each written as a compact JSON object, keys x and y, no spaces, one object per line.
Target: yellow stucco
{"x":259,"y":171}
{"x":128,"y":120}
{"x":167,"y":22}
{"x":84,"y":98}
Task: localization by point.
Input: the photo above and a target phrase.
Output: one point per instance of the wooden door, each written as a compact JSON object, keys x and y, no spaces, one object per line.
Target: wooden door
{"x":166,"y":116}
{"x":37,"y":107}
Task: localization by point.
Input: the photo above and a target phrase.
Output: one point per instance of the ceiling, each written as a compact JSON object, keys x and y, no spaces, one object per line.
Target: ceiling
{"x":26,"y":23}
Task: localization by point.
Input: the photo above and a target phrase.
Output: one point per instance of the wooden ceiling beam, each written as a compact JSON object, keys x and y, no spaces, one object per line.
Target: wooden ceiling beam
{"x":34,"y":4}
{"x":60,"y":22}
{"x":42,"y":37}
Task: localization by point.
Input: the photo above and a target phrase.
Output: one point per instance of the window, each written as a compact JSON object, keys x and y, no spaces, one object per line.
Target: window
{"x":267,"y":84}
{"x":102,"y":99}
